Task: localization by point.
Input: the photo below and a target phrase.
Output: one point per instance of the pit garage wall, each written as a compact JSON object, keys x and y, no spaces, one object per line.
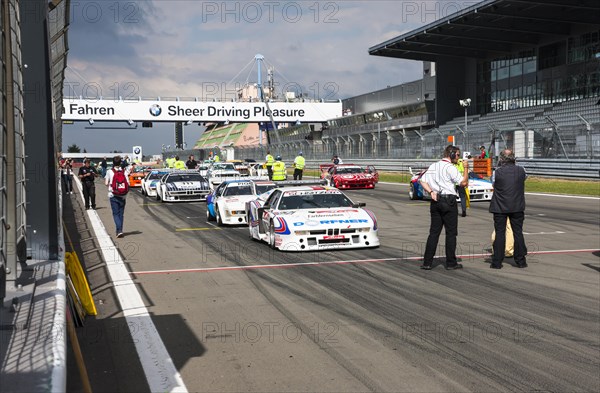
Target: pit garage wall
{"x":42,"y":193}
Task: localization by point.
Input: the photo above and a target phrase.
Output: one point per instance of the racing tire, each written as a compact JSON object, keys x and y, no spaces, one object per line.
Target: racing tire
{"x":158,"y":194}
{"x":272,"y":235}
{"x":209,"y":217}
{"x":412,"y":193}
{"x":143,"y":191}
{"x":218,"y":218}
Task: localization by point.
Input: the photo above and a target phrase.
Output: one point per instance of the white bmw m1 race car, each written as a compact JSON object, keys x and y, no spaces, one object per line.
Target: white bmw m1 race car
{"x":310,"y":218}
{"x":227,"y":203}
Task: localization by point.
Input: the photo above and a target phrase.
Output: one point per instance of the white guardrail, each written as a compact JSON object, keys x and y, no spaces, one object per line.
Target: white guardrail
{"x":568,"y":169}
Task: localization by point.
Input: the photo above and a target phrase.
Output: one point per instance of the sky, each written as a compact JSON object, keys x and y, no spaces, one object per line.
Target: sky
{"x":171,"y":48}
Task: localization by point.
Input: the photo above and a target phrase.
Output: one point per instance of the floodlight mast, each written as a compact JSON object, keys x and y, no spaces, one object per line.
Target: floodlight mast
{"x":466,"y":103}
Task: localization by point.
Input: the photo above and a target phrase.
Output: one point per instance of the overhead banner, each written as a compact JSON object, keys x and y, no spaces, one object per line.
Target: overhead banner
{"x":171,"y":111}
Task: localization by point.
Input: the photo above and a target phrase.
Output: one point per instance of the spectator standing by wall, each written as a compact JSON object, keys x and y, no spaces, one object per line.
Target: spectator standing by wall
{"x":440,"y":181}
{"x":508,"y":202}
{"x":103,"y":167}
{"x":87,"y":175}
{"x":67,"y":173}
{"x":299,"y":163}
{"x":117,"y":197}
{"x":483,"y":152}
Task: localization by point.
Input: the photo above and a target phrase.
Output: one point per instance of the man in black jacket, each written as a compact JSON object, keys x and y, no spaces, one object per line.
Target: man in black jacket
{"x":508,"y":201}
{"x":87,"y":174}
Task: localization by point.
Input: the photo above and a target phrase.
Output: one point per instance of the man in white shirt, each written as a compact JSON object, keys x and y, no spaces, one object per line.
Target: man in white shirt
{"x":440,"y":181}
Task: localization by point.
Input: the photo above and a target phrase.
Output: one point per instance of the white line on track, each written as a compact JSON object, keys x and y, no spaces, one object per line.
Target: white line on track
{"x":563,"y":196}
{"x":544,"y":233}
{"x":348,"y":262}
{"x":158,"y":366}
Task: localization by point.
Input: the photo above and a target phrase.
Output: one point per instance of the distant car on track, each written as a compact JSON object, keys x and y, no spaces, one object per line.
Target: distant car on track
{"x":346,"y":176}
{"x":309,"y":218}
{"x":182,"y":186}
{"x":221,"y":171}
{"x":479,"y":189}
{"x":150,"y":182}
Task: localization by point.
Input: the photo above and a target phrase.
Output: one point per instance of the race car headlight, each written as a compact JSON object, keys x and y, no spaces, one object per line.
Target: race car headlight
{"x":363,"y":230}
{"x":302,"y":233}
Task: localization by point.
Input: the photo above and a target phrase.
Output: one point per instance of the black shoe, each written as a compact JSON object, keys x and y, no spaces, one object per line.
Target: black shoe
{"x":492,"y":266}
{"x":464,"y":214}
{"x":522,"y":265}
{"x":425,"y":267}
{"x":454,"y":267}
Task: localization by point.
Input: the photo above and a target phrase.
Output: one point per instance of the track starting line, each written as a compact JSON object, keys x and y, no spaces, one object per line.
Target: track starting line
{"x":348,"y":262}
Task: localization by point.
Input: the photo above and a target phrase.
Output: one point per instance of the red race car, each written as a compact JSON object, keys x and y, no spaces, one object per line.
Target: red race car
{"x":346,"y":176}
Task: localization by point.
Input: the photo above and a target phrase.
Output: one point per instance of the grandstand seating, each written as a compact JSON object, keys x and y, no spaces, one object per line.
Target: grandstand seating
{"x":564,"y":114}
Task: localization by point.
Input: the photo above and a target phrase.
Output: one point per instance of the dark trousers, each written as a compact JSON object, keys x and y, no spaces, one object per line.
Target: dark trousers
{"x":443,"y":214}
{"x":297,"y":174}
{"x":117,"y":204}
{"x":516,"y":222}
{"x":89,"y":194}
{"x":270,"y":171}
{"x":68,"y":183}
{"x":462,"y":193}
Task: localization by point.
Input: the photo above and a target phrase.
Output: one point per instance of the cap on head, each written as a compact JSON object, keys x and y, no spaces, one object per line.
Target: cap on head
{"x":300,"y":153}
{"x":278,"y":158}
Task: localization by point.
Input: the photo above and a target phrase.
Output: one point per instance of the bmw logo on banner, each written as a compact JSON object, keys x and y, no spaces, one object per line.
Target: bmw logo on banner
{"x":137,"y":154}
{"x":155,"y":110}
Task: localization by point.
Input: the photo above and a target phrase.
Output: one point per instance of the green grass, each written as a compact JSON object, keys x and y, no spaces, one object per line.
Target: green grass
{"x":533,"y":184}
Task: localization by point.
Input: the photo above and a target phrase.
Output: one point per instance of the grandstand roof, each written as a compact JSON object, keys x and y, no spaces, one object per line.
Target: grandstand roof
{"x":492,"y":28}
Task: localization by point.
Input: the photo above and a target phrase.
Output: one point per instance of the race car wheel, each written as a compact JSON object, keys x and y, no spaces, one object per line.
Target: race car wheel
{"x":209,"y":217}
{"x":272,"y":235}
{"x":143,"y":192}
{"x":219,"y":220}
{"x":412,"y":194}
{"x":158,"y":194}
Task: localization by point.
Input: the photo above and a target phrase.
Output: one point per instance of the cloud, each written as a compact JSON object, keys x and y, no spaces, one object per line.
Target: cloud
{"x":187,"y":48}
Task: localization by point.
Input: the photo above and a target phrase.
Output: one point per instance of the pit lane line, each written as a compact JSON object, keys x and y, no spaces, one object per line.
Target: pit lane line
{"x":159,"y":368}
{"x":348,"y":262}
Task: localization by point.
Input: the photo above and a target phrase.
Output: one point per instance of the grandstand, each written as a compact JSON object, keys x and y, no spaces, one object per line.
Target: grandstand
{"x":531,"y":69}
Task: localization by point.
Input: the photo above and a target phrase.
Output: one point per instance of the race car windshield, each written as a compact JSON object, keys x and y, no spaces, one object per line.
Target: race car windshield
{"x":264,"y":188}
{"x":312,"y":201}
{"x":223,"y":166}
{"x":243,"y":190}
{"x":189,"y":177}
{"x":344,"y":171}
{"x":155,"y":176}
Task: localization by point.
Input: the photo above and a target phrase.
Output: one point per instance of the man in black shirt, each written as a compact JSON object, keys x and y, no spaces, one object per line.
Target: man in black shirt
{"x":508,"y":202}
{"x":87,"y":174}
{"x":191,"y":163}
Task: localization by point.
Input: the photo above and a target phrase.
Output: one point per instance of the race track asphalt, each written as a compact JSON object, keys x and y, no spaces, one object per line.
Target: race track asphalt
{"x":359,"y":320}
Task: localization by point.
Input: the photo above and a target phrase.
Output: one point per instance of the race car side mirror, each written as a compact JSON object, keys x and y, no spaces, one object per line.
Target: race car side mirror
{"x":359,"y":204}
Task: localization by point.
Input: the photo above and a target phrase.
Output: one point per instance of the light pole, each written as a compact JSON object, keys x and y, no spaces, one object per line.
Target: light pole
{"x":466,"y":103}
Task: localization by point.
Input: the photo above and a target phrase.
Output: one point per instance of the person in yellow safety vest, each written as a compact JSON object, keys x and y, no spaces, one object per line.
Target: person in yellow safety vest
{"x":171,"y":162}
{"x":298,"y":166}
{"x":269,"y":164}
{"x":178,"y":164}
{"x":216,"y":158}
{"x":279,"y":173}
{"x":462,"y":191}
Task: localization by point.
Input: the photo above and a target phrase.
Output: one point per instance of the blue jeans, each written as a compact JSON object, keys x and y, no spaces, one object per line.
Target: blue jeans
{"x":117,"y":205}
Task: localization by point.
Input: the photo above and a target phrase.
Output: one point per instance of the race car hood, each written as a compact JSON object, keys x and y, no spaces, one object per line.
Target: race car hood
{"x":343,"y":217}
{"x":353,"y":176}
{"x":480,"y":183}
{"x":236,"y":202}
{"x":186,"y":185}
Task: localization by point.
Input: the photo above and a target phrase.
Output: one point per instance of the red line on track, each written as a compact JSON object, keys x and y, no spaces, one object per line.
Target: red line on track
{"x":324,"y":263}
